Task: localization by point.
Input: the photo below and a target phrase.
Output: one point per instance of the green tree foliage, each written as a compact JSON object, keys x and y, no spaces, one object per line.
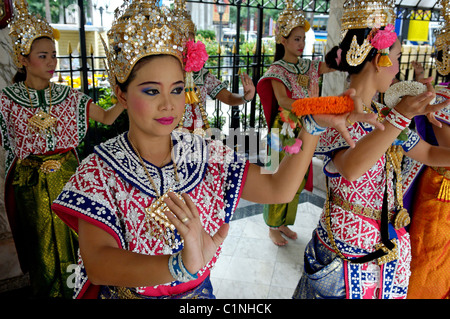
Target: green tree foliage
{"x":56,"y":8}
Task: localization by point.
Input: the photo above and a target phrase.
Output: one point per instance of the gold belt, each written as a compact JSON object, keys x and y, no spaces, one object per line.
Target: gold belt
{"x":48,"y":166}
{"x":358,"y":209}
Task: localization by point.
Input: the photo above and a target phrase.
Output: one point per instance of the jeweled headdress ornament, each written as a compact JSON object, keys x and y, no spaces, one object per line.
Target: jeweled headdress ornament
{"x":25,"y":28}
{"x":288,"y":20}
{"x":180,"y":11}
{"x":443,"y":40}
{"x":141,"y":28}
{"x":369,"y":14}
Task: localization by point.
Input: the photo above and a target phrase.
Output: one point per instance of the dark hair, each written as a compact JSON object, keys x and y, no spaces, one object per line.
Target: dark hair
{"x":124,"y":86}
{"x":331,"y":56}
{"x":20,"y":76}
{"x":279,"y":52}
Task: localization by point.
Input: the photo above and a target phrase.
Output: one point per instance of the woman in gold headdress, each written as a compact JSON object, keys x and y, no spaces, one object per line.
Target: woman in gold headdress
{"x":430,"y":194}
{"x":360,"y":248}
{"x":41,"y":124}
{"x":205,"y":83}
{"x":289,"y":78}
{"x":152,"y":205}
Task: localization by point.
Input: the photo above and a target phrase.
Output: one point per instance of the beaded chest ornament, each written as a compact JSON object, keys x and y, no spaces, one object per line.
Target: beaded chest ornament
{"x":163,"y":229}
{"x":42,"y":123}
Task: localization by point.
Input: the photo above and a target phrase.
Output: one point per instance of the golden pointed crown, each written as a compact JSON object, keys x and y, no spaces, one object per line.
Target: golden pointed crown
{"x":443,"y":40}
{"x":180,"y":11}
{"x":141,"y":28}
{"x":289,"y":19}
{"x":368,"y":14}
{"x":25,"y":28}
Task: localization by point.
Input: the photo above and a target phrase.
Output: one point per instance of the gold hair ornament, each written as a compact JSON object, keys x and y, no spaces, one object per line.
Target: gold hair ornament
{"x":25,"y":28}
{"x":358,"y":53}
{"x":289,"y":19}
{"x":141,"y":28}
{"x":186,"y":23}
{"x":369,"y":14}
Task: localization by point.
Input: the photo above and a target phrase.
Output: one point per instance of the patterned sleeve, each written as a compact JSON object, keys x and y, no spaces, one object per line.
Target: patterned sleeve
{"x":214,"y":85}
{"x":232,"y":168}
{"x":278,"y":73}
{"x":331,"y":141}
{"x":4,"y":140}
{"x":84,"y":101}
{"x":87,"y":195}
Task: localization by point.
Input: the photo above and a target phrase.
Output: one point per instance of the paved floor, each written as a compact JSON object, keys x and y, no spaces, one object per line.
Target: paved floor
{"x":251,"y":266}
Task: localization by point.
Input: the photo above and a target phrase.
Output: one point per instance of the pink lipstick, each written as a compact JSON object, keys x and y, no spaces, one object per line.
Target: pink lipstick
{"x":165,"y":120}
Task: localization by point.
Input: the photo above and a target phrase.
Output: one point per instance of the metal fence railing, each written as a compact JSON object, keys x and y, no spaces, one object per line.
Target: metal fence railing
{"x":227,"y":68}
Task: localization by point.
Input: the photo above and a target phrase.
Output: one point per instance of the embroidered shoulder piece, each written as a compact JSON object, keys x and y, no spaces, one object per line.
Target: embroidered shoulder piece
{"x":190,"y":153}
{"x":209,"y":82}
{"x":301,"y":67}
{"x":278,"y":68}
{"x":19,"y":94}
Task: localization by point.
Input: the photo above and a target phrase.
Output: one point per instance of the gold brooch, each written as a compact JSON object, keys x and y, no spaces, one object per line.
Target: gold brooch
{"x":50,"y":166}
{"x":41,"y":122}
{"x":303,"y":80}
{"x":163,"y":229}
{"x":402,"y":219}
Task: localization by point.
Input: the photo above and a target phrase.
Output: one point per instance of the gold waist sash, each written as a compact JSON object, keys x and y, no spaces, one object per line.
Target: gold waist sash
{"x":48,"y":166}
{"x":358,"y":209}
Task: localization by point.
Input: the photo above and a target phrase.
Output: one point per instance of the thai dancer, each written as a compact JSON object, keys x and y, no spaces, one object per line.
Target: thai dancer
{"x":360,"y":248}
{"x":41,"y":125}
{"x":203,"y":83}
{"x":290,"y":77}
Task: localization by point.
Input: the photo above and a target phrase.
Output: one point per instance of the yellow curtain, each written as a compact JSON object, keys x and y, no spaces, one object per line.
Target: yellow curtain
{"x":418,"y":29}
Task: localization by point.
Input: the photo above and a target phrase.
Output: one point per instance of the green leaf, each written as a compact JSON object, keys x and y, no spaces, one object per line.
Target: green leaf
{"x":290,"y":141}
{"x":403,"y":136}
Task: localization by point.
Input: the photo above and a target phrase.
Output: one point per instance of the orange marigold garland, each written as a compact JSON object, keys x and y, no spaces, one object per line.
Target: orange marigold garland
{"x":323,"y":105}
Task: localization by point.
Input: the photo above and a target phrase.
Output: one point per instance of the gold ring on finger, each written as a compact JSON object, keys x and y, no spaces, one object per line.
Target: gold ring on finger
{"x":349,"y":122}
{"x":184,"y":220}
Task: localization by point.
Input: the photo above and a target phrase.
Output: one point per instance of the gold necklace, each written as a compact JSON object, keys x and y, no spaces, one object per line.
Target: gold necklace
{"x":394,"y":157}
{"x":163,"y":229}
{"x":42,"y":123}
{"x":380,"y":118}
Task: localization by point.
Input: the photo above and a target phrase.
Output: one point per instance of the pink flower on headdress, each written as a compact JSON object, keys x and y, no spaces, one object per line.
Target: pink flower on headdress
{"x":194,"y":56}
{"x":383,"y":39}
